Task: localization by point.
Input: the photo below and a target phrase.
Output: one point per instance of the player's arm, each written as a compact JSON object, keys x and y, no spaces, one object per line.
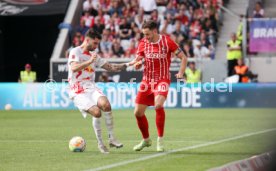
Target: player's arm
{"x":115,"y":67}
{"x":180,"y":54}
{"x":174,"y":48}
{"x":78,"y":66}
{"x":137,"y":62}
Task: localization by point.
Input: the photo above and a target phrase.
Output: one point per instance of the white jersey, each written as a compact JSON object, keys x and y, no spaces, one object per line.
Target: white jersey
{"x":84,"y":80}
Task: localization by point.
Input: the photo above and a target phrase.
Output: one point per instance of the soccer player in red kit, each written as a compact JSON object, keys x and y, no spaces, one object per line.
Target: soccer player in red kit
{"x":155,"y":50}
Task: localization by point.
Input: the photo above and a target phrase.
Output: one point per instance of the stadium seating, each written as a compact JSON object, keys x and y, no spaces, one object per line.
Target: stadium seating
{"x":120,"y":23}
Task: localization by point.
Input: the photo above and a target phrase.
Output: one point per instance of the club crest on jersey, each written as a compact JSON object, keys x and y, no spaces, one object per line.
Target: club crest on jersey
{"x":163,"y":50}
{"x":89,"y":69}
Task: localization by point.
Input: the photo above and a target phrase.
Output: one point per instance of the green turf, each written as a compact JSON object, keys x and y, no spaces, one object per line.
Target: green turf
{"x":38,"y":140}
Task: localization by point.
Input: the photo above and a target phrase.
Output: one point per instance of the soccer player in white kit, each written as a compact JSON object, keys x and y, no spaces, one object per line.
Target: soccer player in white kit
{"x":86,"y":96}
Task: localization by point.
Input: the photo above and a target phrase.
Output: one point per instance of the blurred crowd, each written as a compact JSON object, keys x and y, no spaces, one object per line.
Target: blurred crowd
{"x":235,"y":58}
{"x":193,"y":24}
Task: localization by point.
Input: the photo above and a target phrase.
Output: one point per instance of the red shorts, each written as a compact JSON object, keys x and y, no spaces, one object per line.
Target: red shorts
{"x":148,"y":91}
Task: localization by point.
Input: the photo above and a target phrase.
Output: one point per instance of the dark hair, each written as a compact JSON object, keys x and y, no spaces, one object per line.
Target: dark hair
{"x":259,"y":3}
{"x":93,"y":34}
{"x":150,"y":24}
{"x":191,"y":63}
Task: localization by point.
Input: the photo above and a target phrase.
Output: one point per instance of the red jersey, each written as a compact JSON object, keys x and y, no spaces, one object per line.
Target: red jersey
{"x":157,"y":57}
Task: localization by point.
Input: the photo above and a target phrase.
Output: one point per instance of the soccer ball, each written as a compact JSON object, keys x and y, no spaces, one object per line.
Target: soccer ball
{"x":77,"y":144}
{"x":8,"y":107}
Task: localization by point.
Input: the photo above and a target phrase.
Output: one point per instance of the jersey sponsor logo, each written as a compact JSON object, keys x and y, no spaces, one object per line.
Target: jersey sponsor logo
{"x":27,"y":2}
{"x":156,"y":55}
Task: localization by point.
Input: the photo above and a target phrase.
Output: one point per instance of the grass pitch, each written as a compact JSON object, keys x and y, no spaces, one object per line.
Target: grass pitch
{"x":38,"y":140}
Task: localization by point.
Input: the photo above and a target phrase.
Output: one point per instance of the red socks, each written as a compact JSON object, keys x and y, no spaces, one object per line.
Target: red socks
{"x":143,"y":125}
{"x":160,"y":121}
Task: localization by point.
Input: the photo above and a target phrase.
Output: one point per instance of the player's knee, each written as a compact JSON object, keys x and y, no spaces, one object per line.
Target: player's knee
{"x":104,"y":104}
{"x":158,"y":106}
{"x":138,"y":113}
{"x":106,"y":107}
{"x":96,"y":112}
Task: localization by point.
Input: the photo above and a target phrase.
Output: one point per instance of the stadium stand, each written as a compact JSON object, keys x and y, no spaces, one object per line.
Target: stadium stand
{"x":260,"y":62}
{"x":185,"y":21}
{"x":201,"y":28}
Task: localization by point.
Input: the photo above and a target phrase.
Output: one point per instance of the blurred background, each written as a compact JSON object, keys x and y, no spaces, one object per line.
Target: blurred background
{"x":230,"y":45}
{"x":43,"y":34}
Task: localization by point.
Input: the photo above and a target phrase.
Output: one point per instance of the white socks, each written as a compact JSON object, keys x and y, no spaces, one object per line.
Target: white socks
{"x":109,"y":124}
{"x":96,"y":123}
{"x":159,"y":138}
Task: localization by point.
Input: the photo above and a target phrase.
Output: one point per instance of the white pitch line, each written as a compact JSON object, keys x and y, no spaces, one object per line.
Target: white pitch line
{"x":32,"y":141}
{"x":58,"y":141}
{"x":181,"y":149}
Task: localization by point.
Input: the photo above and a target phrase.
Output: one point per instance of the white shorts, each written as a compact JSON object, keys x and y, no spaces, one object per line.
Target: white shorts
{"x":86,"y":100}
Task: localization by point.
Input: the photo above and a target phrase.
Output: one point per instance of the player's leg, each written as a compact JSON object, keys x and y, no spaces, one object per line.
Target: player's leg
{"x":144,"y":99}
{"x":142,"y":123}
{"x":159,"y":100}
{"x":105,"y":106}
{"x":95,"y":111}
{"x":160,"y":120}
{"x":86,"y":105}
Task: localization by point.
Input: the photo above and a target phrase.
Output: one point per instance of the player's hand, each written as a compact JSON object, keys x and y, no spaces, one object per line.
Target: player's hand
{"x":93,"y":57}
{"x":137,"y":59}
{"x":138,"y":65}
{"x":179,"y":76}
{"x":131,"y":63}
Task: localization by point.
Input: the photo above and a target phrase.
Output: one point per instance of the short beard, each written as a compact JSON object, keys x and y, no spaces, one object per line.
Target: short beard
{"x":90,"y":48}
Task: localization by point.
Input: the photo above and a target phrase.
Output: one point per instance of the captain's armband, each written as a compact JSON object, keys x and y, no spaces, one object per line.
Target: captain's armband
{"x":178,"y":51}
